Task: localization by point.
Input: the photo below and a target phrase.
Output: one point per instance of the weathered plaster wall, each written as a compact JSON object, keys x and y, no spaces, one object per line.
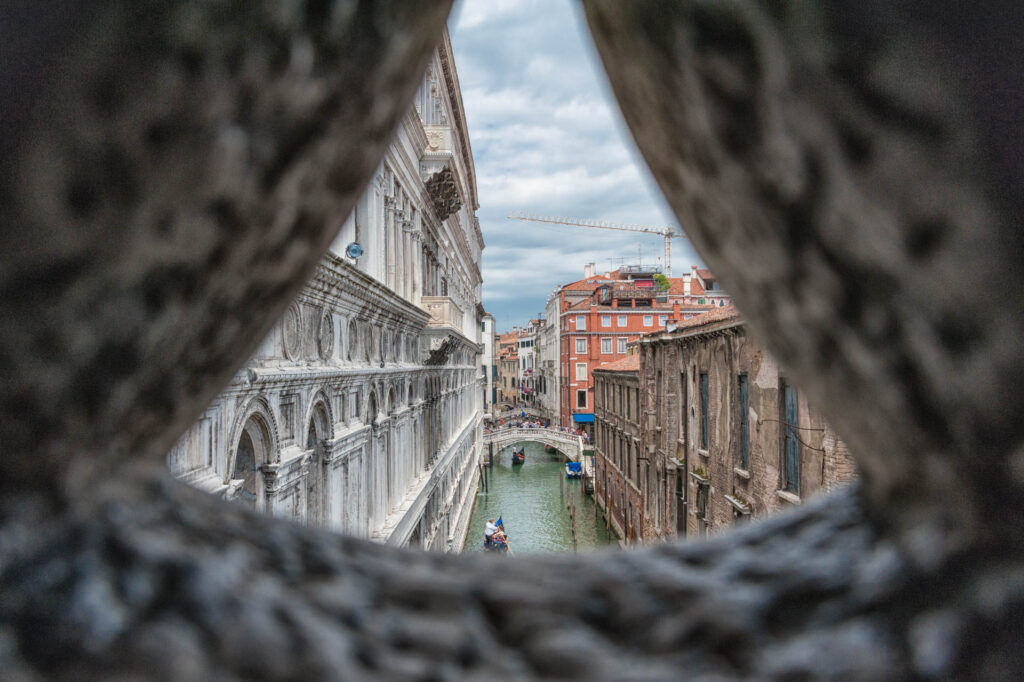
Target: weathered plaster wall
{"x":619,"y":486}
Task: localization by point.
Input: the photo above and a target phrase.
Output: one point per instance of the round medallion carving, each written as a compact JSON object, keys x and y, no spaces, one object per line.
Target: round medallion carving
{"x":291,"y":328}
{"x":325,"y":337}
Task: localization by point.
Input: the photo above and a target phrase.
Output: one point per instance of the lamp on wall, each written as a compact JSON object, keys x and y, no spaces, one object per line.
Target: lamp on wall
{"x":354,"y":250}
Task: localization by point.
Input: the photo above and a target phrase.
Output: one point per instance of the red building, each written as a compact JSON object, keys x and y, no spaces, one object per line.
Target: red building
{"x":601,"y":314}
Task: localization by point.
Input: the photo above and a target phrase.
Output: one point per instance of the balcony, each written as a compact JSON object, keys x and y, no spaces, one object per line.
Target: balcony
{"x":443,"y":312}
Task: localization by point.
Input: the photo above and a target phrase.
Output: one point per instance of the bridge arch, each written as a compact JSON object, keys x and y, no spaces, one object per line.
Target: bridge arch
{"x":571,"y":445}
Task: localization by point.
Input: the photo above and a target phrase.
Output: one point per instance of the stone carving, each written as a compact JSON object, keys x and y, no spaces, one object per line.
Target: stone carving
{"x":325,"y":338}
{"x":444,"y":192}
{"x":833,"y":148}
{"x":291,"y":332}
{"x":435,"y":140}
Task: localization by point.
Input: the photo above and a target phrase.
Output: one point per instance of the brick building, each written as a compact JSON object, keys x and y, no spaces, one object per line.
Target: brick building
{"x":602,"y":314}
{"x":723,"y":433}
{"x":508,"y":368}
{"x":618,"y":469}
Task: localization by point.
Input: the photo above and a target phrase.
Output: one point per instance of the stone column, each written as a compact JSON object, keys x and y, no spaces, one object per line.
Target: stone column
{"x":270,"y":488}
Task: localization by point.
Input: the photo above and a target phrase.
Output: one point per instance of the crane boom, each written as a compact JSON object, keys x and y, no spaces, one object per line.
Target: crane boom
{"x":665,"y":231}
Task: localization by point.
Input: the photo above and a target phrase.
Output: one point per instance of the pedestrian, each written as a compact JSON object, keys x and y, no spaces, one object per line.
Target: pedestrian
{"x":489,"y":529}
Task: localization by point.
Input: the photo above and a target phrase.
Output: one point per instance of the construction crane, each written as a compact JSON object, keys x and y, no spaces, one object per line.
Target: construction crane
{"x":666,"y":232}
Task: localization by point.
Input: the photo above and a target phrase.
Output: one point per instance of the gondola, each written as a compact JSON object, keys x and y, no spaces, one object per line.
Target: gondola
{"x":499,"y":541}
{"x":519,"y":456}
{"x":549,"y":448}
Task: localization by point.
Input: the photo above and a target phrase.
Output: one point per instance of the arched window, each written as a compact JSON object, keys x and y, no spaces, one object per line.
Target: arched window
{"x":254,"y":447}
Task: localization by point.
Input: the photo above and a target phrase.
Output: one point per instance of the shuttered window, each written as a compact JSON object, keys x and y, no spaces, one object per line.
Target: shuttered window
{"x":744,"y":413}
{"x":704,"y":410}
{"x":791,"y":451}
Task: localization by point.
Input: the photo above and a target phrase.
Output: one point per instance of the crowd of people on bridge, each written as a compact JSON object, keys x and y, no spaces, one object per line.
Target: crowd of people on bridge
{"x":522,"y":422}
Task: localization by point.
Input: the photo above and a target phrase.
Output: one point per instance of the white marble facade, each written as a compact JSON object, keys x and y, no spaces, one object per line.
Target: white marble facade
{"x":361,"y":410}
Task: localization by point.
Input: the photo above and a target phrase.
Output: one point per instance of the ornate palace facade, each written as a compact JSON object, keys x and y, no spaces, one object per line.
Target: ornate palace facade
{"x":361,"y":410}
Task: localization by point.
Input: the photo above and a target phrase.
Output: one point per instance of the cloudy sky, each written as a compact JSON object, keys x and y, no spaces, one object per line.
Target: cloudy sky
{"x":548,"y":139}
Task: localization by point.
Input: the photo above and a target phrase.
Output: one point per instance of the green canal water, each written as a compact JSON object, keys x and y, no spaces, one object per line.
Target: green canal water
{"x":532,"y":499}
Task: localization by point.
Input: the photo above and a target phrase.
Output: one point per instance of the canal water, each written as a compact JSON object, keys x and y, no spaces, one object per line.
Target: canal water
{"x":531,"y":498}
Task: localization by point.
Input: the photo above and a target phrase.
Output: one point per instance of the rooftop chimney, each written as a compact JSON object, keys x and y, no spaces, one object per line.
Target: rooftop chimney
{"x":686,"y":284}
{"x":588,"y":270}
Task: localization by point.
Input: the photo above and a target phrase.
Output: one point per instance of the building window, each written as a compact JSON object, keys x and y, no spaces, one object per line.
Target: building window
{"x":581,"y":344}
{"x":581,"y":398}
{"x":744,"y":423}
{"x":648,"y":320}
{"x":700,"y":301}
{"x":702,"y":507}
{"x":622,"y":344}
{"x":622,"y":321}
{"x":581,"y":371}
{"x":703,"y":410}
{"x":606,"y":320}
{"x":581,"y":323}
{"x":606,"y":346}
{"x":662,"y":319}
{"x":790,"y":449}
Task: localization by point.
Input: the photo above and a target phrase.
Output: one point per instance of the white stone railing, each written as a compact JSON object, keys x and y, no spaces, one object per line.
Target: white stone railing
{"x":570,"y":444}
{"x":443,"y":311}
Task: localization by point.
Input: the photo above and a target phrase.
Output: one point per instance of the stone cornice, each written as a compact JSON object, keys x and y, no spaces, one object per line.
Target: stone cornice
{"x":334,"y":275}
{"x":461,"y":133}
{"x":267,"y":377}
{"x":733,"y":325}
{"x":414,"y":124}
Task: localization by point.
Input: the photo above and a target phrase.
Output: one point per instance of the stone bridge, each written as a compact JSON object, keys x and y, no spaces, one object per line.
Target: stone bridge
{"x":570,"y":444}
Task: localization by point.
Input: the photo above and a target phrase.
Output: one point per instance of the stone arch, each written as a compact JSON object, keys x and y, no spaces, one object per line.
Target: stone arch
{"x":258,"y":407}
{"x":320,"y":398}
{"x":375,"y":344}
{"x":390,"y":406}
{"x":254,"y":442}
{"x":351,"y":339}
{"x":371,"y":407}
{"x":319,"y":429}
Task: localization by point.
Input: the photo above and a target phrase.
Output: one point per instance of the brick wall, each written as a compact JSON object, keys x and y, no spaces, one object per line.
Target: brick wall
{"x":616,"y":453}
{"x":732,"y":492}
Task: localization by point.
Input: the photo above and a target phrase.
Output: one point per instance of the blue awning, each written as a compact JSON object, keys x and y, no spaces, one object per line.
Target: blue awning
{"x":583,"y":418}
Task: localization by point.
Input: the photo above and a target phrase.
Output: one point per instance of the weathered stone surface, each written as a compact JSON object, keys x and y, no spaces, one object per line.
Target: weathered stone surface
{"x":822,"y":146}
{"x":828,"y":162}
{"x":181,"y":170}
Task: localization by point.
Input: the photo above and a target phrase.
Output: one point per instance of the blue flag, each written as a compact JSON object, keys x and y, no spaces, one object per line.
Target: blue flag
{"x":498,"y":522}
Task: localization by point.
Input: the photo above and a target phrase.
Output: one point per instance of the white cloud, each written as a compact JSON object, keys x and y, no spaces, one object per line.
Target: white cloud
{"x":548,"y":139}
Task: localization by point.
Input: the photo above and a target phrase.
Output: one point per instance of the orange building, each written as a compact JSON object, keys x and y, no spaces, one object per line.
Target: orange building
{"x":601,"y":314}
{"x":508,"y":367}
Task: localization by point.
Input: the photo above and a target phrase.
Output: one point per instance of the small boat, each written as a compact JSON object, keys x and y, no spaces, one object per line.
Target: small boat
{"x":519,"y":456}
{"x":549,"y":448}
{"x":499,"y":541}
{"x":573,"y":470}
{"x":588,"y":484}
